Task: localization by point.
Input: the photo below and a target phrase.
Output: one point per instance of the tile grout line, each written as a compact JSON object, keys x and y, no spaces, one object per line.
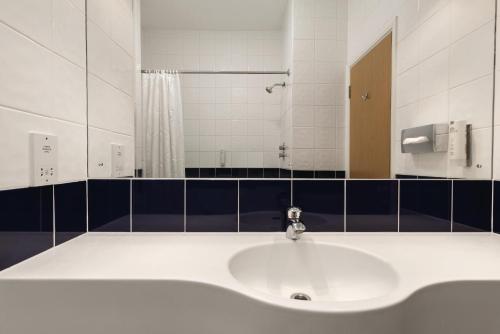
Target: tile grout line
{"x":87,"y":148}
{"x":492,"y":206}
{"x":53,"y":217}
{"x":42,"y":45}
{"x":451,"y":206}
{"x":185,"y":206}
{"x":87,"y":203}
{"x":130,"y":204}
{"x":238,"y":209}
{"x":494,"y":105}
{"x":399,"y":204}
{"x":345,"y":205}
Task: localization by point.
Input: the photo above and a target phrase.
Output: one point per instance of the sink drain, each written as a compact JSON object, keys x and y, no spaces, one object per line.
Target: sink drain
{"x":300,"y":296}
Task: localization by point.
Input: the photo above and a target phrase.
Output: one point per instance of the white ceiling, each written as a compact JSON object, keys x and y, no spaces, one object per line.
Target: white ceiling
{"x":213,"y":14}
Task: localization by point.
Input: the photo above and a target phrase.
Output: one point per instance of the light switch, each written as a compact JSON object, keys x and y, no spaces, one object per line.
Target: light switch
{"x":117,"y":160}
{"x":43,"y":149}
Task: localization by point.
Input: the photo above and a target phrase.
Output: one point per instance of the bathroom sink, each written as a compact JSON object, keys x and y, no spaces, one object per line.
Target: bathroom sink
{"x":308,"y":271}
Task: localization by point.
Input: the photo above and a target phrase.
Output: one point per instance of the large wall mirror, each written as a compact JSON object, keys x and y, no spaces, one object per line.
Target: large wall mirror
{"x":288,"y":88}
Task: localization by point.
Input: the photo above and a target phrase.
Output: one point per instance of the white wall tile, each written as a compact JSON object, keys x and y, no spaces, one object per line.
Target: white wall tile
{"x":468,"y":15}
{"x":207,"y":160}
{"x":408,"y":52}
{"x":207,"y":143}
{"x":303,"y":159}
{"x":42,"y":72}
{"x":435,"y":33}
{"x":303,"y":72}
{"x":191,"y":143}
{"x":303,"y":137}
{"x":434,"y":74}
{"x":325,"y":137}
{"x":69,"y":31}
{"x":408,"y":87}
{"x":327,"y":8}
{"x":324,"y":116}
{"x":496,"y":154}
{"x":303,"y":94}
{"x":31,"y":17}
{"x":109,"y":61}
{"x":434,"y":109}
{"x":109,"y":108}
{"x":207,"y":127}
{"x":324,"y":95}
{"x":303,"y":50}
{"x":15,"y":127}
{"x":473,"y":102}
{"x":223,"y":127}
{"x":28,"y":67}
{"x":304,"y":28}
{"x":472,"y":56}
{"x":325,"y":28}
{"x":325,"y":159}
{"x":303,"y":116}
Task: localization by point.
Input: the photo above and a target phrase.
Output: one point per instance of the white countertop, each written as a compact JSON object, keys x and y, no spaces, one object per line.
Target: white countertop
{"x":420,"y":260}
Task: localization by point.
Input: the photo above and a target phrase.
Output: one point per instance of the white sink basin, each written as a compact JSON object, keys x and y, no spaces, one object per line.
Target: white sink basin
{"x":323,"y":272}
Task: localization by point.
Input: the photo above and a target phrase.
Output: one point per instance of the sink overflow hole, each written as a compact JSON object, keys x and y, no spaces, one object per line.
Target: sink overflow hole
{"x":300,"y":296}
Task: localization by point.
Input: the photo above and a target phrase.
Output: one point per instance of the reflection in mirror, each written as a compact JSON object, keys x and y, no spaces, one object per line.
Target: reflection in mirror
{"x":290,"y":88}
{"x":227,"y":80}
{"x":442,"y":89}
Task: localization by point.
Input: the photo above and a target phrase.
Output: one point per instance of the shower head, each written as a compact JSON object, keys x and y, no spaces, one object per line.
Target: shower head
{"x":269,"y":89}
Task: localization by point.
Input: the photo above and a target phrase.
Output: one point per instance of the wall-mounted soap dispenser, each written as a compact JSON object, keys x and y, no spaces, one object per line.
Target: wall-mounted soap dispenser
{"x":459,"y":147}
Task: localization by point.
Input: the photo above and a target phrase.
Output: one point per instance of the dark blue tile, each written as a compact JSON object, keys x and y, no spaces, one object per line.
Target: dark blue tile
{"x":324,"y":174}
{"x":223,"y":172}
{"x":207,"y":172}
{"x":263,"y":205}
{"x":496,"y":207}
{"x":285,"y":173}
{"x":257,"y":173}
{"x":192,"y":172}
{"x":71,"y":210}
{"x":109,"y":205}
{"x":239,"y":172}
{"x":211,"y":206}
{"x":372,"y":206}
{"x":303,"y":174}
{"x":322,"y":204}
{"x":157,"y":205}
{"x":405,"y":176}
{"x":472,"y":206}
{"x":271,"y":173}
{"x":340,"y":174}
{"x":26,"y":219}
{"x":425,"y":206}
{"x":431,"y":178}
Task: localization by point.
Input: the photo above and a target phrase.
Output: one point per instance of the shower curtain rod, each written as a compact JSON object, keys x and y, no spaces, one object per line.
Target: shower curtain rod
{"x":287,"y":72}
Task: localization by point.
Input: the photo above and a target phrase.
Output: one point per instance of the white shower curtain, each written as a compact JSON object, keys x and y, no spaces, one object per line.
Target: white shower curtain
{"x":162,"y":126}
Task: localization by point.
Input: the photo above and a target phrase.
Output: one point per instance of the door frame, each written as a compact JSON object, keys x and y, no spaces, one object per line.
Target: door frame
{"x":391,"y":28}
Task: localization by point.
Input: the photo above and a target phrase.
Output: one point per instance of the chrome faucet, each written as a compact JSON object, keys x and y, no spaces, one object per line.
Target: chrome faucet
{"x":294,"y":226}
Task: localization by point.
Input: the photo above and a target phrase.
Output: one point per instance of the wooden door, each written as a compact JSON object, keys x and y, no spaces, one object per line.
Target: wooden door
{"x":370,"y":113}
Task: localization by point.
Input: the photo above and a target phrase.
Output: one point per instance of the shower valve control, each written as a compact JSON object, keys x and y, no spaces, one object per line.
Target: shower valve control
{"x":117,"y":160}
{"x":43,"y":149}
{"x":282,"y":149}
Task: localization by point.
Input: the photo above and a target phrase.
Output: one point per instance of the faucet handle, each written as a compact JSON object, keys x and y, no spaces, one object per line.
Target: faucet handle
{"x":294,"y":213}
